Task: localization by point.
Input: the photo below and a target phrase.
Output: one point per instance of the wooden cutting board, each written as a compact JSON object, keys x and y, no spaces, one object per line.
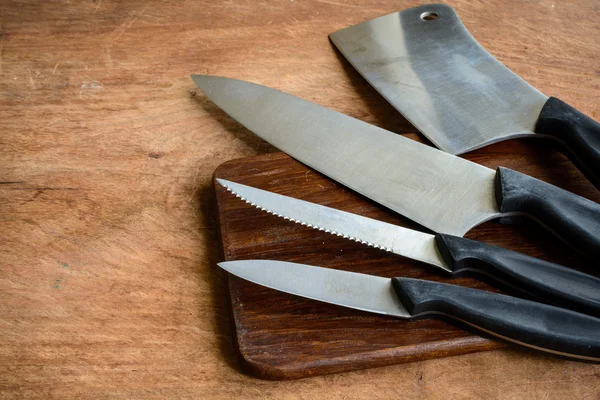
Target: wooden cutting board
{"x":280,"y":336}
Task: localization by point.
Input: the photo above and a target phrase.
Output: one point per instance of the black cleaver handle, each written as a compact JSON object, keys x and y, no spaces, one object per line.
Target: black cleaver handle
{"x":577,"y":131}
{"x":539,"y":326}
{"x":573,"y":218}
{"x":550,"y":282}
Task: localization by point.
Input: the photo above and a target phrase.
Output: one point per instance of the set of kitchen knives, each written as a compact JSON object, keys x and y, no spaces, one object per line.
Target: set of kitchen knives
{"x":428,"y":66}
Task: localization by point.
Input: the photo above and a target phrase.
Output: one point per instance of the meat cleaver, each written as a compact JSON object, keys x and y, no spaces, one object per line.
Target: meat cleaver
{"x":429,"y":67}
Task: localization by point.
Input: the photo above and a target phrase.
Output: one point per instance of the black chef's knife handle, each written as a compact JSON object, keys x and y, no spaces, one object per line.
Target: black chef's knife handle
{"x":573,"y":218}
{"x":535,"y":325}
{"x":577,"y":131}
{"x":554,"y":283}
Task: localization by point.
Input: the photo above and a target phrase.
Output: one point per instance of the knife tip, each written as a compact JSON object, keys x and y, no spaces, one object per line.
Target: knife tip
{"x":235,"y":267}
{"x":203,"y":81}
{"x":222,"y":182}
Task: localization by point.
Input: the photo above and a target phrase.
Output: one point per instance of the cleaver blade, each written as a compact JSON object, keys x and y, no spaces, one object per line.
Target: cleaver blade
{"x":428,"y":66}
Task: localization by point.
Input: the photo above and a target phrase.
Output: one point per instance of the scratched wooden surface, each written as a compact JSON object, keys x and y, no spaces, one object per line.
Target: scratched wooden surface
{"x":280,"y":336}
{"x":108,"y":285}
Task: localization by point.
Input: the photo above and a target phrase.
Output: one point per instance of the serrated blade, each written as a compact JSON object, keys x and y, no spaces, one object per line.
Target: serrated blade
{"x":443,"y":192}
{"x":402,"y":241}
{"x":349,"y":289}
{"x":440,"y":78}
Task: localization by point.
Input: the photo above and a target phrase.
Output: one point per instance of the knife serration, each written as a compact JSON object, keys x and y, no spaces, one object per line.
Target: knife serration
{"x":440,"y":191}
{"x":381,"y":235}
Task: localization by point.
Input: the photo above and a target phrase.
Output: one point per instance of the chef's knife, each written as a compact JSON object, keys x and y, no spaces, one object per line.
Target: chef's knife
{"x":535,"y":325}
{"x":551,"y":282}
{"x":429,"y":67}
{"x":443,"y":192}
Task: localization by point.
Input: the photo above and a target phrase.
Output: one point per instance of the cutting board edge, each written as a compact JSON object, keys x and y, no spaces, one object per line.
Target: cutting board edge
{"x":375,"y":359}
{"x":253,"y":362}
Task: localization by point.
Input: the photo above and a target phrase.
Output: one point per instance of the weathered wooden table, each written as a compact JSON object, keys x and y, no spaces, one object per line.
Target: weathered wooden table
{"x":108,"y":284}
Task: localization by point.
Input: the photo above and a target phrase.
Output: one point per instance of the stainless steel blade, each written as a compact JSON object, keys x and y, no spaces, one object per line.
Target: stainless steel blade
{"x":438,"y":190}
{"x":349,"y":289}
{"x":402,"y":241}
{"x":429,"y":67}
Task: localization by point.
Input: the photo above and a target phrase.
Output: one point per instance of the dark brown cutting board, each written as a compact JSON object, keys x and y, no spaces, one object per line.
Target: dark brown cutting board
{"x":280,"y":336}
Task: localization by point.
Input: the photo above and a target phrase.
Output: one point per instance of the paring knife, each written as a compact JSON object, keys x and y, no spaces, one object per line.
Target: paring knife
{"x":535,"y":325}
{"x":429,"y":67}
{"x":438,"y":190}
{"x":551,"y":282}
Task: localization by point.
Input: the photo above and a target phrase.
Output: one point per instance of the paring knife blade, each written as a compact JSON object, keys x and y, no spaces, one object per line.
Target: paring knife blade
{"x":428,"y":66}
{"x":438,"y":190}
{"x":535,"y":325}
{"x":550,"y":282}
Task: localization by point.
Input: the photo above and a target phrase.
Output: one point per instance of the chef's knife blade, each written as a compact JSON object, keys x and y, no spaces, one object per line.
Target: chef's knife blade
{"x":550,"y":282}
{"x":535,"y":325}
{"x":429,"y":67}
{"x":438,"y":190}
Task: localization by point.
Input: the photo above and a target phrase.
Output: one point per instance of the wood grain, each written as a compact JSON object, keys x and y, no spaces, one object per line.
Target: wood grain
{"x":280,"y":336}
{"x":108,"y":284}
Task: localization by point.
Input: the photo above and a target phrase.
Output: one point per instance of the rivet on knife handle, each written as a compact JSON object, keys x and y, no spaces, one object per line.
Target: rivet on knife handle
{"x":577,"y":131}
{"x":573,"y":218}
{"x":535,"y":325}
{"x":550,"y":282}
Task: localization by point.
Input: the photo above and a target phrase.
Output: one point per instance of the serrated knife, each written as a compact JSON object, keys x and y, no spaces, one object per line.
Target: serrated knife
{"x":428,"y":66}
{"x":438,"y":190}
{"x":550,"y":282}
{"x":535,"y":325}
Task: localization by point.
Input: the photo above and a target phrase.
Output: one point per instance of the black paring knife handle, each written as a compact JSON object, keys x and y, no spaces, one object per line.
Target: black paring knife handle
{"x":573,"y":218}
{"x":577,"y":131}
{"x":550,"y":282}
{"x":535,"y":325}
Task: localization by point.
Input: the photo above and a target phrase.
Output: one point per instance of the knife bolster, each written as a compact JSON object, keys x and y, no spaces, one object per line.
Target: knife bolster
{"x":575,"y":130}
{"x":535,"y":325}
{"x":573,"y":218}
{"x":550,"y":282}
